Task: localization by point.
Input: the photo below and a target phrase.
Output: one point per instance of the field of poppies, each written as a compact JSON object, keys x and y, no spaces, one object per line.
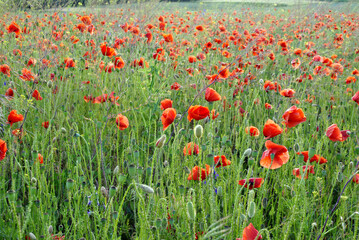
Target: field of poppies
{"x":157,"y":121}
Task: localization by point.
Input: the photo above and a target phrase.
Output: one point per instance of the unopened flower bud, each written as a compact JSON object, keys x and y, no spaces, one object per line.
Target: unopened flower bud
{"x":32,"y":236}
{"x":198,"y":131}
{"x":116,"y":170}
{"x":247,"y":152}
{"x":50,"y":229}
{"x":49,"y":84}
{"x":104,"y":191}
{"x":161,"y":141}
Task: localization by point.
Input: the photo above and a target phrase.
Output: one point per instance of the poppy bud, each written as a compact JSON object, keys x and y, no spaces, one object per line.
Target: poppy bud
{"x":50,"y":229}
{"x":63,"y":130}
{"x":198,"y":131}
{"x":165,"y":163}
{"x":32,"y":236}
{"x":220,"y":191}
{"x":49,"y":84}
{"x":178,"y":116}
{"x":116,"y":170}
{"x":161,"y":141}
{"x":247,"y":152}
{"x":261,"y":81}
{"x":296,"y":147}
{"x":186,"y":169}
{"x":190,"y":211}
{"x":351,"y":165}
{"x":314,"y":225}
{"x":146,"y":188}
{"x":252,"y":209}
{"x":104,"y":191}
{"x":33,"y":181}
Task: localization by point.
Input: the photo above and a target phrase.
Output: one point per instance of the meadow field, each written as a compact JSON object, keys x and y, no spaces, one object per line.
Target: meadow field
{"x":180,"y":121}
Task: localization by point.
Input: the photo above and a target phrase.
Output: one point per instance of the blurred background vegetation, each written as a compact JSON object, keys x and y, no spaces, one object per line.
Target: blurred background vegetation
{"x":46,"y":4}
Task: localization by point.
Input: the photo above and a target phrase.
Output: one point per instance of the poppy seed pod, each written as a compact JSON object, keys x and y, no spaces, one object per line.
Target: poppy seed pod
{"x":198,"y":131}
{"x":161,"y":141}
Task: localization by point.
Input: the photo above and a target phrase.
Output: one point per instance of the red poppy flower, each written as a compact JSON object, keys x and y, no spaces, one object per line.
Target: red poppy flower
{"x":212,"y":96}
{"x":45,"y":124}
{"x":107,"y":51}
{"x":200,"y":28}
{"x":191,"y":148}
{"x":86,"y":20}
{"x":213,"y":114}
{"x":69,"y":63}
{"x":271,"y":129}
{"x":287,"y":93}
{"x":168,"y":117}
{"x":36,"y":95}
{"x":13,"y":27}
{"x":355,"y":178}
{"x":221,"y":161}
{"x":252,"y":131}
{"x":355,"y":98}
{"x":250,"y":233}
{"x":192,"y":59}
{"x":199,"y":173}
{"x":122,"y":122}
{"x":168,"y":37}
{"x":9,"y":93}
{"x":251,"y":183}
{"x":27,"y":75}
{"x":295,"y":63}
{"x":3,"y":149}
{"x":197,"y":112}
{"x":268,"y":106}
{"x":297,"y":173}
{"x":14,"y":117}
{"x":5,"y":69}
{"x":119,"y":63}
{"x":40,"y":158}
{"x":315,"y":158}
{"x":167,"y":103}
{"x":293,"y":116}
{"x":279,"y":152}
{"x":334,"y":133}
{"x":31,"y":62}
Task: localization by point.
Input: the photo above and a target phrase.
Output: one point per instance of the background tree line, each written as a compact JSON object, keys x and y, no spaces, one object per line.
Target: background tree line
{"x":45,"y":4}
